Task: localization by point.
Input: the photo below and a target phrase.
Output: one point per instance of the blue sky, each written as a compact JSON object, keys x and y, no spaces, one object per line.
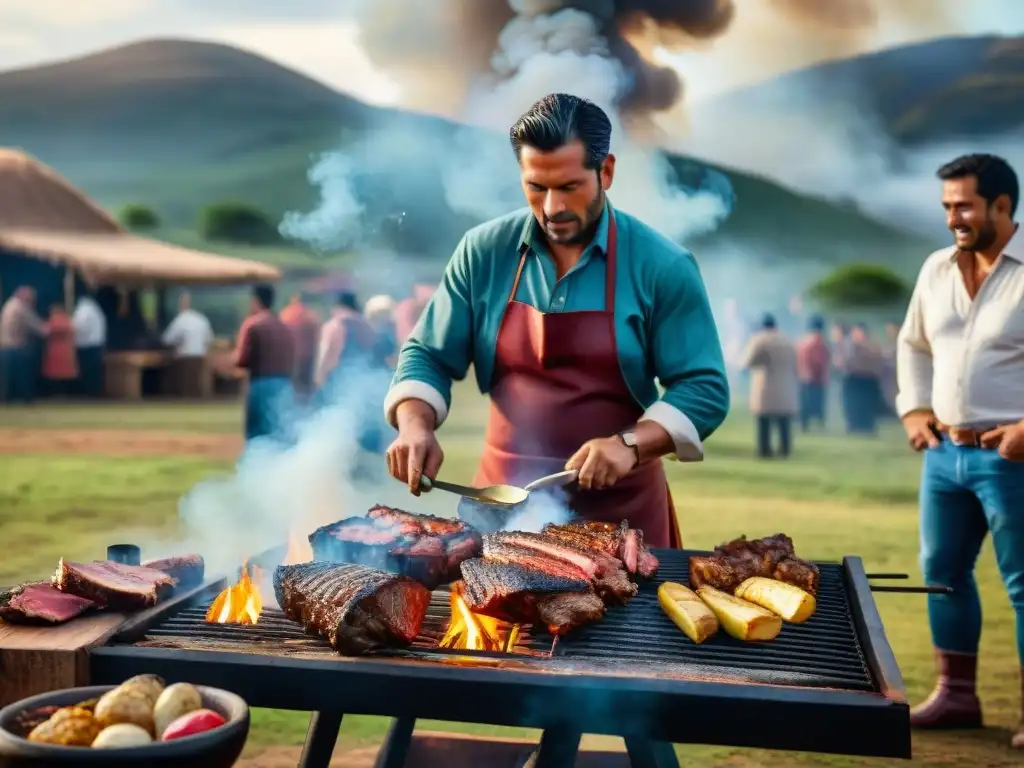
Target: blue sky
{"x":319,"y":38}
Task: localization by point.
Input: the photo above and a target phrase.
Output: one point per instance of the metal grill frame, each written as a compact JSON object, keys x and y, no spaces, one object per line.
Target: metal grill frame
{"x":650,"y":704}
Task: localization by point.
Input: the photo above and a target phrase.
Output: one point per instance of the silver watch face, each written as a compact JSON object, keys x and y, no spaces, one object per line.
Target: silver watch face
{"x":629,"y":438}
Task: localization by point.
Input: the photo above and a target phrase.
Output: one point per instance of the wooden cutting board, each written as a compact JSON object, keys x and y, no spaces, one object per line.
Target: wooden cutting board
{"x":39,"y":659}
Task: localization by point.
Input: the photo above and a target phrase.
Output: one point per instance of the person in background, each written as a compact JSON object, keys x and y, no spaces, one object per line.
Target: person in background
{"x":960,"y":367}
{"x":266,"y":349}
{"x":90,"y":340}
{"x":408,"y":311}
{"x":60,"y":363}
{"x":888,"y":379}
{"x":379,"y":312}
{"x":812,"y":360}
{"x":861,"y":367}
{"x":774,"y":388}
{"x":190,"y":335}
{"x":20,"y":330}
{"x":304,"y":323}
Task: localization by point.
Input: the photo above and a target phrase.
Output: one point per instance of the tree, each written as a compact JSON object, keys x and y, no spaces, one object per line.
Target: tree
{"x":236,"y":222}
{"x":861,"y":286}
{"x":139,"y":217}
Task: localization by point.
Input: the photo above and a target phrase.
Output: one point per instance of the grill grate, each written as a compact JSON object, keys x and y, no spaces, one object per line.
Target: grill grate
{"x":824,"y":651}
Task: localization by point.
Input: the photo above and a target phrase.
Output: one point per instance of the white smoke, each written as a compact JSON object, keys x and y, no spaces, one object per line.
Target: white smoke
{"x":335,"y":223}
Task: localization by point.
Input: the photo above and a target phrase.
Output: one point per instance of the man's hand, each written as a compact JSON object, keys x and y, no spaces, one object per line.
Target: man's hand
{"x":918,"y":425}
{"x":415,"y":452}
{"x":602,"y":462}
{"x":1009,"y":440}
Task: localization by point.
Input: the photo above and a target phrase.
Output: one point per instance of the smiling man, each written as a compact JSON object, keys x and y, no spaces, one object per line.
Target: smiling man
{"x":569,"y":312}
{"x":960,"y":368}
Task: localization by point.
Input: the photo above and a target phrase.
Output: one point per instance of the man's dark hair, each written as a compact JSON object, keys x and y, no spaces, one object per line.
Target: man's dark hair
{"x":347,"y":299}
{"x":264,"y":295}
{"x":560,"y":118}
{"x":768,"y":321}
{"x":816,"y":323}
{"x":995,"y":177}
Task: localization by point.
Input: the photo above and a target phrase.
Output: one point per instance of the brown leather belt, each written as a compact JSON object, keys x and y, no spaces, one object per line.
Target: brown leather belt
{"x":967,"y":437}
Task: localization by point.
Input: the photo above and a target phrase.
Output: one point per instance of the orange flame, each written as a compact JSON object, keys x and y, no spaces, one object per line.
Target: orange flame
{"x":299,"y":550}
{"x":473,"y":632}
{"x":241,"y":603}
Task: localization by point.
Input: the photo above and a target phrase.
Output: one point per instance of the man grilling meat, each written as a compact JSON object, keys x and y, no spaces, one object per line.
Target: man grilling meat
{"x":568,"y":311}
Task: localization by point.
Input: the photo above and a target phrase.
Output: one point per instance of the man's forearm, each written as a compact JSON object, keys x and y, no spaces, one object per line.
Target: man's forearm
{"x":415,"y":414}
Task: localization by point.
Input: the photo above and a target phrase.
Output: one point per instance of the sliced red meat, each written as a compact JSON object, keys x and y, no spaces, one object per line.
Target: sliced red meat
{"x":114,"y":585}
{"x":41,"y":603}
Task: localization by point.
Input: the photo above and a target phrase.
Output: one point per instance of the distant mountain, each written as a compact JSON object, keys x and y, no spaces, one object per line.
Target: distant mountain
{"x":952,"y":88}
{"x":178,"y":124}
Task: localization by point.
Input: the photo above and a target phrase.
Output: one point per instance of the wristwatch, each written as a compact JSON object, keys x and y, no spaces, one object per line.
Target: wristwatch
{"x":628,"y":438}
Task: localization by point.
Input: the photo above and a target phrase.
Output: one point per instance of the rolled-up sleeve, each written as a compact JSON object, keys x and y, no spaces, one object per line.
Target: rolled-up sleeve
{"x":440,"y":348}
{"x":914,"y":370}
{"x":688,"y":360}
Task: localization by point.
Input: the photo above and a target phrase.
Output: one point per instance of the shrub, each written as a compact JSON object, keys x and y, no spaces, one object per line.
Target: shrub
{"x":861,"y":286}
{"x":234,"y":222}
{"x":139,"y":217}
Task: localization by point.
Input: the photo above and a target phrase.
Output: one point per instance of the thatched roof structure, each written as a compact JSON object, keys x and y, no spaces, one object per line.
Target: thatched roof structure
{"x":44,"y":216}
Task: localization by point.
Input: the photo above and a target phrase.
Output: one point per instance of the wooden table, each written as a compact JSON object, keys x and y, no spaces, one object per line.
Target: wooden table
{"x":122,"y":371}
{"x":40,"y":659}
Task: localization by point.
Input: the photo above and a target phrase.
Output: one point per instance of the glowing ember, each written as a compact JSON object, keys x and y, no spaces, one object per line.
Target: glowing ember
{"x":299,"y":550}
{"x":473,"y":632}
{"x":241,"y":603}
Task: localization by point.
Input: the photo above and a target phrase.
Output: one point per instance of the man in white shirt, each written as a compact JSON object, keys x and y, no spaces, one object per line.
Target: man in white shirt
{"x":960,"y":372}
{"x":90,"y":339}
{"x":190,"y":335}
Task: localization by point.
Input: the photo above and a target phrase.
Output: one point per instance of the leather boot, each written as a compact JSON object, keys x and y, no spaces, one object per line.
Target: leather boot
{"x":1018,"y":737}
{"x":954,"y":702}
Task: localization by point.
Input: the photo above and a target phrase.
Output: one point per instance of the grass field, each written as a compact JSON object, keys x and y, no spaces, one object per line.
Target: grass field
{"x":836,"y":496}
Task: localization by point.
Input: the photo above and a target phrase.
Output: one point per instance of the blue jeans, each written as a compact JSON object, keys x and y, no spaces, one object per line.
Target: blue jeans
{"x":966,"y":493}
{"x":269,"y":408}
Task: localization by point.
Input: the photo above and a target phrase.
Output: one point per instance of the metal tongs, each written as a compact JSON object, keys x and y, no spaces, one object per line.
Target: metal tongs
{"x":502,"y":495}
{"x":928,"y":590}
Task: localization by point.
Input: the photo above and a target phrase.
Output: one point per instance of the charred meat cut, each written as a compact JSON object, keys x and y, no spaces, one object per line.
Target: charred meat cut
{"x":511,"y":591}
{"x":113,"y":585}
{"x":772,"y":557}
{"x":187,"y":570}
{"x":565,"y":611}
{"x":619,"y":541}
{"x":424,"y":547}
{"x":605,"y":572}
{"x":800,"y":573}
{"x":41,"y":603}
{"x":358,"y":609}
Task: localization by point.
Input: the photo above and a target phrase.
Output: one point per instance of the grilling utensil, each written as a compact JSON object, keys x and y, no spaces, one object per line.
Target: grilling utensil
{"x":502,"y":495}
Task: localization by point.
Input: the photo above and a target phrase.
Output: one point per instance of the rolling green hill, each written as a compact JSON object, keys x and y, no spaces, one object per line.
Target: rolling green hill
{"x":177,"y":125}
{"x":952,"y":88}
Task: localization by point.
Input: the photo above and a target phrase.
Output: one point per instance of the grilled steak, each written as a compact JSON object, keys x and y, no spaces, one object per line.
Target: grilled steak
{"x":619,"y":541}
{"x":799,"y":572}
{"x":511,"y":591}
{"x":187,"y":570}
{"x":358,"y":609}
{"x":113,"y":585}
{"x":424,"y":547}
{"x":536,"y":550}
{"x":565,"y":611}
{"x":772,"y":557}
{"x":41,"y":603}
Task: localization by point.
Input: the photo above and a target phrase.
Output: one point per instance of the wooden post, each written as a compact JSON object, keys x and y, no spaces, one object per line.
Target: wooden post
{"x":69,"y":290}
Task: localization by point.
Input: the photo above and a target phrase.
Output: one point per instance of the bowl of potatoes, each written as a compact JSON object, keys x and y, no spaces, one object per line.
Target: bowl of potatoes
{"x":143,"y":721}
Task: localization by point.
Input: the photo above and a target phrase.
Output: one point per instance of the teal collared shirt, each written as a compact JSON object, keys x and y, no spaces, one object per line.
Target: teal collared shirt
{"x":664,"y":327}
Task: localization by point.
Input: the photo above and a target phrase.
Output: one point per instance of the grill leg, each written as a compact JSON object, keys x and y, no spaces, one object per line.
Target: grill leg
{"x":396,"y":745}
{"x":556,"y":750}
{"x":321,"y":737}
{"x":651,"y":754}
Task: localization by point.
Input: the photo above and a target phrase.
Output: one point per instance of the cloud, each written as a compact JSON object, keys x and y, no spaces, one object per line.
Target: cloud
{"x":62,"y":14}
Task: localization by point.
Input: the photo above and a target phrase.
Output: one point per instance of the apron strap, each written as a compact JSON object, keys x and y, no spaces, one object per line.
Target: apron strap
{"x":519,"y":274}
{"x":610,"y":262}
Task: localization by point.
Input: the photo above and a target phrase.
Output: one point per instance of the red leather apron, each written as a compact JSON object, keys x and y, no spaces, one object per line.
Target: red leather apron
{"x":558,"y":384}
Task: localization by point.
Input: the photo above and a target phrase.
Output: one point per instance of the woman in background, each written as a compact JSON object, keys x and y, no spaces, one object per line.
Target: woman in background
{"x":60,"y":361}
{"x":380,"y":314}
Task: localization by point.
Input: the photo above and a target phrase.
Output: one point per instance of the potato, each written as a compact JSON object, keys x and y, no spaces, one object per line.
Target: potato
{"x":126,"y":705}
{"x":739,"y":618}
{"x":687,"y":611}
{"x":787,"y":600}
{"x":151,"y":685}
{"x":120,"y":736}
{"x":69,"y":727}
{"x":176,"y":700}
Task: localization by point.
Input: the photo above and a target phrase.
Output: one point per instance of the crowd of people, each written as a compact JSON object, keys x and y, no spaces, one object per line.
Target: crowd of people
{"x":791,"y":379}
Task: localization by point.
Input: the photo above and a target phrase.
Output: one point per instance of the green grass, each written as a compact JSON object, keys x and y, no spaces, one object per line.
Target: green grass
{"x":836,"y":496}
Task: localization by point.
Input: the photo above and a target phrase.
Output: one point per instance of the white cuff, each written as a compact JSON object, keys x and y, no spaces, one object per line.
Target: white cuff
{"x":414,"y":390}
{"x":680,"y":428}
{"x":906,"y":402}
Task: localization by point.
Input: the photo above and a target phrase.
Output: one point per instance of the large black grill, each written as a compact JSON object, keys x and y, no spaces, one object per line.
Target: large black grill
{"x":829,"y":685}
